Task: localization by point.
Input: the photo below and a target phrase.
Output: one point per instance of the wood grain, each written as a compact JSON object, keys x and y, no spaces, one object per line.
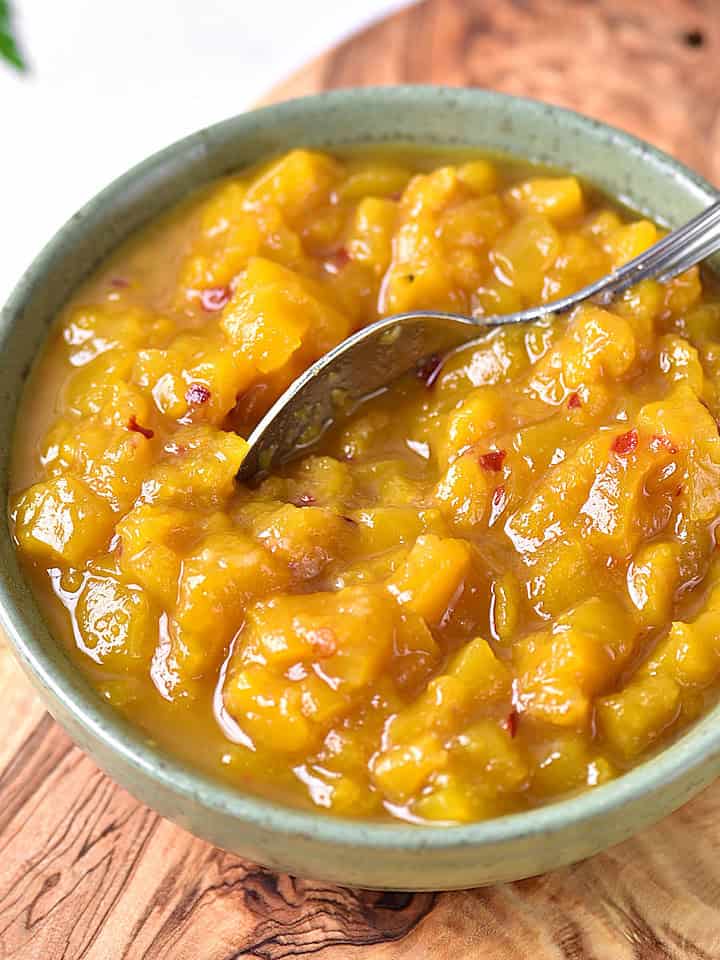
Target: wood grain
{"x":87,"y":872}
{"x":649,"y":67}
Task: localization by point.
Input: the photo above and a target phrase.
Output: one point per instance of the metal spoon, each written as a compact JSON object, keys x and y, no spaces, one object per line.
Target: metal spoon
{"x":373,"y":357}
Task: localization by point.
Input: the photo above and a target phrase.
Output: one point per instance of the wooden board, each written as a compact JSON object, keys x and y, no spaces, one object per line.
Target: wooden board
{"x":86,"y":872}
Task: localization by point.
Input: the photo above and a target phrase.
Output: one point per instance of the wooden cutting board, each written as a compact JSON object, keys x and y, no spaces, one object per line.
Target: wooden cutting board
{"x":87,"y":872}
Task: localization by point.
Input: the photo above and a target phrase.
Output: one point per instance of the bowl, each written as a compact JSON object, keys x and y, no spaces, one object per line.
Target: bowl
{"x":379,"y":855}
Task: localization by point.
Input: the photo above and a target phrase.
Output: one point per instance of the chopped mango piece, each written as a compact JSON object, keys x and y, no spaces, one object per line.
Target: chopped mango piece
{"x":431,"y":576}
{"x":61,"y":520}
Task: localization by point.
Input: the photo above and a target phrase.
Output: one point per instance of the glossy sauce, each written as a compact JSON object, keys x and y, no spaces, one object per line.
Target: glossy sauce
{"x":495,"y":585}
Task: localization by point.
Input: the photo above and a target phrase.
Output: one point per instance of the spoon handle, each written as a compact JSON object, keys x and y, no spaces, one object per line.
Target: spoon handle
{"x":676,"y":252}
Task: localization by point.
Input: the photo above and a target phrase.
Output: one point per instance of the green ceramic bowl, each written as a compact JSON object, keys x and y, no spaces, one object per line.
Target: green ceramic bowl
{"x":353,"y":852}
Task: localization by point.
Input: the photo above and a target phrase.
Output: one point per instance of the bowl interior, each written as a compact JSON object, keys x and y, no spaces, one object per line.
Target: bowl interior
{"x":638,"y":175}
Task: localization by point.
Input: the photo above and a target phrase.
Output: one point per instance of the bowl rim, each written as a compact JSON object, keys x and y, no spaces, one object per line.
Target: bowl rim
{"x":118,"y":736}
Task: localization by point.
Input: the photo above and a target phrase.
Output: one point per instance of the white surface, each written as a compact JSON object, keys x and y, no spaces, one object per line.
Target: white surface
{"x":113,"y":80}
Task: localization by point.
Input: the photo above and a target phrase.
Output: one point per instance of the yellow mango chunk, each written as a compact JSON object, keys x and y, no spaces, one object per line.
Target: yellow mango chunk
{"x":567,"y":764}
{"x":523,"y":253}
{"x":373,"y":179}
{"x":636,"y":716}
{"x":152,"y":539}
{"x":306,"y":538}
{"x":430,"y":192}
{"x":479,"y":414}
{"x":198,"y":466}
{"x":465,"y":491}
{"x":652,"y":579}
{"x":272,"y":310}
{"x":474,"y":223}
{"x":115,"y":624}
{"x":271,"y":671}
{"x":297,"y":182}
{"x":477,"y":667}
{"x":494,"y":757}
{"x":559,"y":671}
{"x":431,"y":576}
{"x":218,"y":582}
{"x":479,"y":176}
{"x":401,"y":771}
{"x":370,"y":238}
{"x":505,"y":608}
{"x":557,"y":198}
{"x":630,"y":240}
{"x":61,"y":520}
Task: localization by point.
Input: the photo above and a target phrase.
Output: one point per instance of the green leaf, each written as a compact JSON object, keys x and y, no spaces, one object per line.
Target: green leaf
{"x":9,"y":49}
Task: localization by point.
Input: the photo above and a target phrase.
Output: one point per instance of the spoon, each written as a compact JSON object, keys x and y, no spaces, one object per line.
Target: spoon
{"x":375,"y":356}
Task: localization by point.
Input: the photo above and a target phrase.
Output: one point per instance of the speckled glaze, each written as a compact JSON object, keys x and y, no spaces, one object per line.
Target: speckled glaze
{"x":353,"y":852}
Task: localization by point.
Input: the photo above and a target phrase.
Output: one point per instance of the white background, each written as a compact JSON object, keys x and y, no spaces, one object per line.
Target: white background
{"x":113,"y":80}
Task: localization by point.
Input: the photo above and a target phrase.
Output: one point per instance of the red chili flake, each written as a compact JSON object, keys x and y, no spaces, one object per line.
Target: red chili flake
{"x":396,"y":196}
{"x":304,"y":500}
{"x":339,"y":258}
{"x":492,"y":460}
{"x":511,"y":723}
{"x":323,"y":641}
{"x":658,"y":443}
{"x":215,"y":298}
{"x":678,"y":490}
{"x":197,"y":393}
{"x":429,"y":369}
{"x":349,"y":520}
{"x":120,"y":282}
{"x":138,"y":428}
{"x":574,"y":401}
{"x":625,"y":443}
{"x":498,"y":495}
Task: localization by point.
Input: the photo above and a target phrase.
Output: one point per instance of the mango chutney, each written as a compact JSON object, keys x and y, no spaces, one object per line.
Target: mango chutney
{"x":495,"y":584}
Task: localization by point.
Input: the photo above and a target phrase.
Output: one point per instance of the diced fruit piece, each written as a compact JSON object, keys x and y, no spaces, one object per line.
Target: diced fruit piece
{"x":370,"y":238}
{"x":493,"y":756}
{"x":219,"y":581}
{"x":636,"y":716}
{"x":432,"y":575}
{"x":555,"y":197}
{"x":273,"y":309}
{"x":61,"y":521}
{"x":375,"y":180}
{"x":505,"y":605}
{"x":630,"y":240}
{"x":524,"y":253}
{"x":115,"y":624}
{"x":152,"y":538}
{"x":477,"y":667}
{"x":197,"y":468}
{"x":430,"y":192}
{"x":652,"y":579}
{"x":567,"y":764}
{"x":297,"y":182}
{"x":478,"y":415}
{"x":479,"y":176}
{"x":560,"y":670}
{"x":401,"y":771}
{"x":464,"y":493}
{"x":272,"y":690}
{"x":305,"y":537}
